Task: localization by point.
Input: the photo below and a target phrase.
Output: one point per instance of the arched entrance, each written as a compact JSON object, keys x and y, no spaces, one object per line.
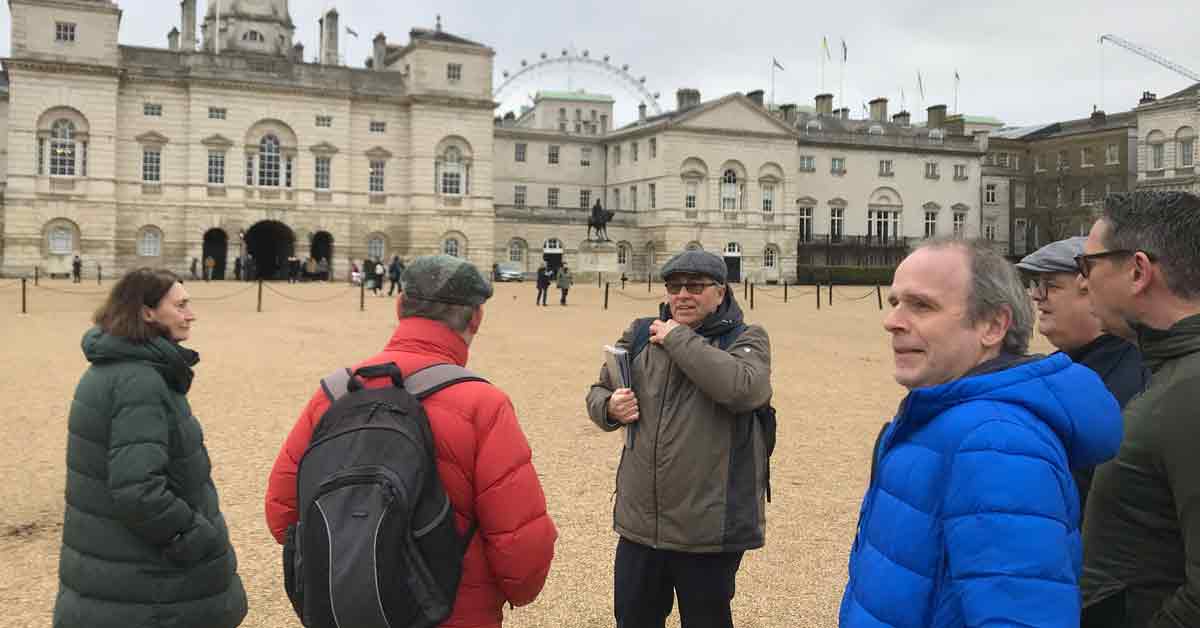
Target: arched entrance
{"x":269,"y":244}
{"x":322,"y":246}
{"x":216,"y":246}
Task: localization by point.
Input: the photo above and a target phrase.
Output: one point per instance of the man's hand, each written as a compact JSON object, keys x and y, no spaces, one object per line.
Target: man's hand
{"x":660,"y":329}
{"x":623,"y":406}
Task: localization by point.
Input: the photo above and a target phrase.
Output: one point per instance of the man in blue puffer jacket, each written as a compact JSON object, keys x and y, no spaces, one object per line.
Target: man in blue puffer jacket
{"x":971,"y":517}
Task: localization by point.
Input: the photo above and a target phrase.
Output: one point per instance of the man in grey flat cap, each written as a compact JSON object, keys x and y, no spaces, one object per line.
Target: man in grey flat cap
{"x":482,"y":456}
{"x":1065,"y":318}
{"x":693,"y":480}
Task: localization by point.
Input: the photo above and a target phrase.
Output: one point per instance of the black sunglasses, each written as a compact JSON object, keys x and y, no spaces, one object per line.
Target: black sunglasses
{"x":693,"y":287}
{"x":1085,"y":262}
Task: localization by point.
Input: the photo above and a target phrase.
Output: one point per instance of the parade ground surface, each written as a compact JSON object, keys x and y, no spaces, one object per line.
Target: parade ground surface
{"x":831,"y":375}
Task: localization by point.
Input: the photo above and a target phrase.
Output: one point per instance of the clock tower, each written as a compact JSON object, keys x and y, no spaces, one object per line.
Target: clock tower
{"x":263,"y":26}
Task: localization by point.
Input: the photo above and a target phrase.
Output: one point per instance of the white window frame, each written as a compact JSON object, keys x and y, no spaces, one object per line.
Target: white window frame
{"x":1158,"y":159}
{"x":454,"y":72}
{"x":653,"y":192}
{"x":733,"y":249}
{"x":931,"y":220}
{"x":886,"y":168}
{"x":960,"y":171}
{"x":377,"y":176}
{"x":519,"y":152}
{"x":378,"y":127}
{"x":1112,"y":154}
{"x":585,"y":199}
{"x":585,"y":157}
{"x":65,"y":32}
{"x":63,"y":148}
{"x":323,"y":173}
{"x":837,"y":165}
{"x":960,"y":224}
{"x":152,"y":165}
{"x":61,"y":240}
{"x":805,"y":218}
{"x":808,"y":163}
{"x":552,"y":154}
{"x":770,"y":257}
{"x":451,"y":247}
{"x":552,"y":197}
{"x":216,"y":167}
{"x":516,"y":252}
{"x":152,"y":109}
{"x":217,"y":113}
{"x":1085,"y":157}
{"x":452,"y":172}
{"x":150,"y":243}
{"x":622,"y":254}
{"x":989,"y":193}
{"x":270,"y":161}
{"x":691,"y":194}
{"x":931,"y":170}
{"x":884,"y":224}
{"x":1187,"y":149}
{"x":837,"y":223}
{"x":375,"y":247}
{"x":729,"y":191}
{"x":768,"y":198}
{"x":520,"y":195}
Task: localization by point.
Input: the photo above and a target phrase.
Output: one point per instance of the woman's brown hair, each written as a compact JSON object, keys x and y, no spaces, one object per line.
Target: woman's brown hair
{"x":121,"y":313}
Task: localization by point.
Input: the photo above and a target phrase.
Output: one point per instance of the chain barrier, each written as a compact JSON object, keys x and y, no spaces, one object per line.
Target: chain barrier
{"x":842,"y":298}
{"x":225,"y":297}
{"x":302,"y":300}
{"x":81,"y":293}
{"x":656,"y":299}
{"x":11,"y":282}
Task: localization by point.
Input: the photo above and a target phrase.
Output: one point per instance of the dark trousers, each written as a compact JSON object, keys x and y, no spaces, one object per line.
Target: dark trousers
{"x":563,"y":300}
{"x":646,"y":581}
{"x":394,"y":286}
{"x":541,"y":296}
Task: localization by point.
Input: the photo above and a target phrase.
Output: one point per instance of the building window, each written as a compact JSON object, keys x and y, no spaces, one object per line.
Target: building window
{"x":452,"y":171}
{"x":519,"y":195}
{"x":585,"y":199}
{"x":1157,"y":159}
{"x":41,"y":156}
{"x":62,"y":241}
{"x":806,"y":224}
{"x":62,"y":149}
{"x":812,"y":128}
{"x":152,"y":165}
{"x":633,"y":197}
{"x":450,"y":247}
{"x":1016,"y":162}
{"x":253,"y":36}
{"x":622,"y":254}
{"x":1038,"y":164}
{"x":633,"y":151}
{"x":653,"y":196}
{"x":617,"y":155}
{"x":883,"y":225}
{"x":1002,"y":160}
{"x":216,"y":113}
{"x":733,"y":248}
{"x":552,"y":197}
{"x":216,"y":167}
{"x":562,"y":127}
{"x":931,"y":170}
{"x":604,"y":123}
{"x":1185,"y":152}
{"x":520,"y":152}
{"x":808,"y":163}
{"x":516,"y":252}
{"x":1018,"y":194}
{"x":768,"y":197}
{"x":1083,"y":195}
{"x":989,"y":193}
{"x":1058,"y":196}
{"x":250,"y":169}
{"x":287,"y":172}
{"x":552,"y":245}
{"x":989,"y":232}
{"x":378,"y":127}
{"x":64,"y":31}
{"x":930,"y":224}
{"x":616,"y":199}
{"x":690,"y":191}
{"x":837,"y":165}
{"x":552,"y":155}
{"x":323,"y":173}
{"x":837,"y":222}
{"x":960,"y":224}
{"x":960,"y":172}
{"x":150,"y":243}
{"x":1064,"y":160}
{"x":769,"y":257}
{"x":454,"y":72}
{"x":268,"y":161}
{"x":1085,"y":157}
{"x":375,"y":247}
{"x":885,"y":168}
{"x":152,"y":109}
{"x":729,"y":190}
{"x":937,"y":136}
{"x":585,"y":157}
{"x":325,"y":121}
{"x":1111,"y":154}
{"x":653,"y":148}
{"x":375,"y":176}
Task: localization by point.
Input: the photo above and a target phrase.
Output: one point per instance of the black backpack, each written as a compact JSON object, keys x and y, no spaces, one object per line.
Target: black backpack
{"x":376,"y":545}
{"x":765,"y":415}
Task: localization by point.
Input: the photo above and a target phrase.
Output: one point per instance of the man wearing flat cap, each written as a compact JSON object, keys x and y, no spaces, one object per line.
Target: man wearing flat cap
{"x":483,"y":458}
{"x":1065,"y":318}
{"x":692,"y":484}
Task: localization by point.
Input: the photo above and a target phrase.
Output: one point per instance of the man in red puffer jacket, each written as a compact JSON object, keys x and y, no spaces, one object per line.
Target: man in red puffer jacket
{"x":482,"y":456}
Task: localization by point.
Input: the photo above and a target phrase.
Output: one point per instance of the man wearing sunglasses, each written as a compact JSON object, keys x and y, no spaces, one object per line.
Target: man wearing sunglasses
{"x":1065,"y":318}
{"x":1142,"y":527}
{"x":692,"y":482}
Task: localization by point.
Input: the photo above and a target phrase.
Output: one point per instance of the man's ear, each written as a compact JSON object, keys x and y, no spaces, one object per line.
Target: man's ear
{"x":476,"y":320}
{"x":1142,"y":272}
{"x":996,"y":327}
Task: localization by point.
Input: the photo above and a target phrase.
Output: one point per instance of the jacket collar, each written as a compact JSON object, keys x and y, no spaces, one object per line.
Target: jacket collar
{"x":172,"y":360}
{"x":428,"y":337}
{"x":1160,"y":346}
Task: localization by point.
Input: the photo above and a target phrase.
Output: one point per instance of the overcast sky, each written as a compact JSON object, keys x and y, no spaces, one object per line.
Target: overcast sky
{"x":1022,"y":61}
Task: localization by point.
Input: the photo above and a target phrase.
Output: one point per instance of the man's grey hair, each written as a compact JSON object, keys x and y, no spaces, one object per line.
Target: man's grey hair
{"x":995,"y":285}
{"x":456,"y":317}
{"x":1165,"y":225}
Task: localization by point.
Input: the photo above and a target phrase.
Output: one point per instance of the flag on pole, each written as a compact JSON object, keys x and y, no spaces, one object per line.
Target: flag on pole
{"x":775,"y":63}
{"x":920,"y":85}
{"x":956,"y":79}
{"x":825,"y":47}
{"x":350,"y":31}
{"x":845,"y":54}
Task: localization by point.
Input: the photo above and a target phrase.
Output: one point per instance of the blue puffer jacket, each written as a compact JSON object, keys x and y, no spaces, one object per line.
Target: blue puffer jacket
{"x":972,"y":517}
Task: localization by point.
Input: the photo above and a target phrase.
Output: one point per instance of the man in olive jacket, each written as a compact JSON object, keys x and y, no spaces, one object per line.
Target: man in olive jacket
{"x":1141,"y":561}
{"x":691,"y":484}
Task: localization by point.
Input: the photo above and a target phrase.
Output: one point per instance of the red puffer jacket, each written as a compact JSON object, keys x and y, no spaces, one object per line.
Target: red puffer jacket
{"x":485,"y":465}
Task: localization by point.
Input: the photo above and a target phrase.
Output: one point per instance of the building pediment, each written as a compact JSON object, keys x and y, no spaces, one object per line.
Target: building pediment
{"x":217,"y":140}
{"x":959,"y":207}
{"x":152,"y":137}
{"x":806,"y":201}
{"x":379,"y":152}
{"x":734,"y":113}
{"x":931,"y":207}
{"x":323,"y":149}
{"x":838,"y":202}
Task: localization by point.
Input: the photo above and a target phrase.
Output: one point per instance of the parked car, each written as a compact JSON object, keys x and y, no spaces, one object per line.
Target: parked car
{"x":510,"y":271}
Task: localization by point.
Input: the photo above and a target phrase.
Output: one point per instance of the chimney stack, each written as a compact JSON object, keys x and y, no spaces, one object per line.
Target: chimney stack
{"x":936,"y":116}
{"x":687,"y":98}
{"x":879,"y":110}
{"x":1148,"y":97}
{"x":642,"y":112}
{"x":756,"y":96}
{"x":789,"y":113}
{"x":188,"y":23}
{"x":1099,"y":117}
{"x":903,"y":118}
{"x":824,"y":104}
{"x":843,"y":113}
{"x":981,"y":139}
{"x":329,"y":38}
{"x":173,"y":39}
{"x":379,"y":52}
{"x":298,"y":53}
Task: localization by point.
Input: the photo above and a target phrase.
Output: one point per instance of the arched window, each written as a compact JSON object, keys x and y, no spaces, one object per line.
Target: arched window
{"x":770,"y":257}
{"x":812,"y":128}
{"x":450,"y":247}
{"x":253,"y":36}
{"x":268,"y":161}
{"x":729,"y":190}
{"x":61,"y":240}
{"x":150,"y":243}
{"x":876,"y":129}
{"x":733,"y":248}
{"x":375,"y":247}
{"x":62,"y":148}
{"x":552,"y":244}
{"x":452,"y":171}
{"x":693,"y":246}
{"x":622,"y":254}
{"x":516,"y":251}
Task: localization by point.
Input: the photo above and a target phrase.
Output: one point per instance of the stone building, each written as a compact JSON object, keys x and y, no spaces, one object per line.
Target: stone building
{"x":1166,"y":141}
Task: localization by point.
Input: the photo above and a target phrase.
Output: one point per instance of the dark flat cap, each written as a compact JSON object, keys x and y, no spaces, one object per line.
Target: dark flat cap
{"x":1056,"y":257}
{"x":697,"y":263}
{"x":445,"y":279}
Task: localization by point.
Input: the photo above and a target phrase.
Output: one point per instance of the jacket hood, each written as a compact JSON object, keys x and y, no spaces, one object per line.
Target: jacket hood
{"x":172,"y":360}
{"x":1069,"y":398}
{"x":1163,"y":345}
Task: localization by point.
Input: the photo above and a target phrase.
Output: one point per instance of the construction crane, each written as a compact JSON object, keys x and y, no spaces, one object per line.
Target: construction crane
{"x":1155,"y":57}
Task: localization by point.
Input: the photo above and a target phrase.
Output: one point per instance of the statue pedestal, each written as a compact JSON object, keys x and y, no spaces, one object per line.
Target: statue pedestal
{"x":598,"y":257}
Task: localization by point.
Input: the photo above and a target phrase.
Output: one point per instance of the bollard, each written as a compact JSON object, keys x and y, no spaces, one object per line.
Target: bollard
{"x":879,"y":296}
{"x":831,"y":293}
{"x":99,"y":274}
{"x":606,"y":296}
{"x":745,"y":290}
{"x":23,"y":287}
{"x":785,"y":291}
{"x":648,"y":274}
{"x":260,"y":295}
{"x":622,"y":283}
{"x":818,"y":285}
{"x":362,"y":295}
{"x":751,"y":296}
{"x":36,"y":273}
{"x":599,"y":279}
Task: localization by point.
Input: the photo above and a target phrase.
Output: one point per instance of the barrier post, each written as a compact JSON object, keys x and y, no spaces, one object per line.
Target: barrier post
{"x":606,"y":296}
{"x":362,"y":294}
{"x":24,"y":281}
{"x":785,"y":291}
{"x":260,"y":295}
{"x":36,"y":275}
{"x":818,"y":296}
{"x":751,"y":296}
{"x":879,"y":296}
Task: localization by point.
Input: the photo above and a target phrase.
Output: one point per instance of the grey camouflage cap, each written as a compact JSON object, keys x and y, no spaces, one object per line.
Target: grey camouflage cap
{"x":1056,"y":257}
{"x":445,"y":279}
{"x":698,"y":263}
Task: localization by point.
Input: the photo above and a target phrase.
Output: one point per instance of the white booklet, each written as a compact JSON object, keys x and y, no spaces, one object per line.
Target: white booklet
{"x":619,"y":367}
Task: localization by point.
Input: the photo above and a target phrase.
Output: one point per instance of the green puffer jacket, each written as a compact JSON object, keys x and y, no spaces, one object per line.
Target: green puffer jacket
{"x":144,"y":543}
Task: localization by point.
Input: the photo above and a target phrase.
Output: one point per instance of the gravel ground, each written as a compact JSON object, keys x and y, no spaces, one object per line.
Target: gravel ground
{"x":832,"y":389}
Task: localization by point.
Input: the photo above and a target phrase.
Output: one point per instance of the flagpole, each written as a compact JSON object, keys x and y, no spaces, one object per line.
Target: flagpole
{"x":217,"y":28}
{"x":772,"y":103}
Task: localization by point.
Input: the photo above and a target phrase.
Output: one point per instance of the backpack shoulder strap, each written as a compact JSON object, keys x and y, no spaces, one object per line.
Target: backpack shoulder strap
{"x":431,"y":379}
{"x":336,"y":384}
{"x":727,"y":339}
{"x":641,"y":336}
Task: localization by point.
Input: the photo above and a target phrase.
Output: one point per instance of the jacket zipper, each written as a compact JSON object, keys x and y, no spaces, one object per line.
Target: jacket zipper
{"x":876,"y":464}
{"x":662,"y":406}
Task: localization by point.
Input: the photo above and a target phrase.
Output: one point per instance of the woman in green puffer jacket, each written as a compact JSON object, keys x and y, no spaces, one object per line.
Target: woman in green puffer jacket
{"x":144,"y":543}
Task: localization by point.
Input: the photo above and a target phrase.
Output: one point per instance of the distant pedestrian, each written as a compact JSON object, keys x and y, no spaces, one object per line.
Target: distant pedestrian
{"x":195,"y":265}
{"x":377,"y":287}
{"x":76,"y":270}
{"x":394,"y":271}
{"x":564,"y":284}
{"x":210,"y":265}
{"x":237,"y":268}
{"x":544,"y":275}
